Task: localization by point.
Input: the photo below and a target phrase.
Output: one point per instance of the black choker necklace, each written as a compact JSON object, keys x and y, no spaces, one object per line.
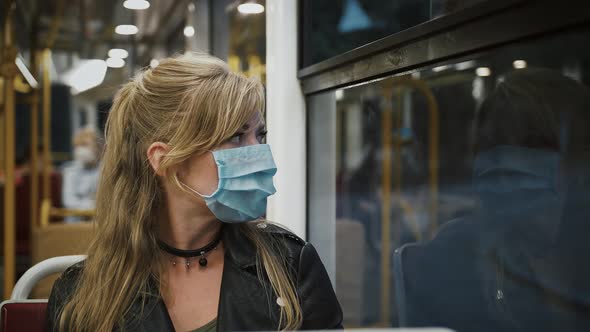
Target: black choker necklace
{"x":189,"y":255}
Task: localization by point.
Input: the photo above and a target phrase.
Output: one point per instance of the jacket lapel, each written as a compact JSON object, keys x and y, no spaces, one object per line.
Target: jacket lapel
{"x":246,"y":303}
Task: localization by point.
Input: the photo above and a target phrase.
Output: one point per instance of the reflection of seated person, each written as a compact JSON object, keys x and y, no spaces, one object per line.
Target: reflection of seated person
{"x":503,"y":268}
{"x":80,"y":177}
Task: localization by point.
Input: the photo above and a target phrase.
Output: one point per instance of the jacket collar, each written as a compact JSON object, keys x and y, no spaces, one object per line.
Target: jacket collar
{"x":238,"y":247}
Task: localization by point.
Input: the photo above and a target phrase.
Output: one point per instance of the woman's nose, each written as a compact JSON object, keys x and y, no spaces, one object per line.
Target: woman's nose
{"x":251,"y":139}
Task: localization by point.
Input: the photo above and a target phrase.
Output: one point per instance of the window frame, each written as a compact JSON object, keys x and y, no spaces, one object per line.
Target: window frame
{"x":496,"y":23}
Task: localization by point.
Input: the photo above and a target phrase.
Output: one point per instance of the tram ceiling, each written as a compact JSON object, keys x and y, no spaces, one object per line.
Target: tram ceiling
{"x":86,"y":27}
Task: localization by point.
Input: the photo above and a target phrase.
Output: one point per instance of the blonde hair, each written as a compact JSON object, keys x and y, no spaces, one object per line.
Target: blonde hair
{"x":193,"y":103}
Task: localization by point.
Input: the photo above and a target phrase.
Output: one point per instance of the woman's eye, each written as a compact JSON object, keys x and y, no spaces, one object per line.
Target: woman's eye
{"x":261,"y":137}
{"x":236,"y":139}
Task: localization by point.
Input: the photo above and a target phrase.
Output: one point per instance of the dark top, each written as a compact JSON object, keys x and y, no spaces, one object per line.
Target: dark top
{"x":453,"y":281}
{"x":209,"y":327}
{"x":244,"y":304}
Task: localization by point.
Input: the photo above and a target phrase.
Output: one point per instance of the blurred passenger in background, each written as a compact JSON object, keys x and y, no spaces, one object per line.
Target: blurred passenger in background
{"x":518,"y":263}
{"x":181,"y":203}
{"x":80,"y":177}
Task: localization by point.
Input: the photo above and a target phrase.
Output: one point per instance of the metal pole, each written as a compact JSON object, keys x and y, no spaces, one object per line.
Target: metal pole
{"x":386,"y":139}
{"x":34,"y":153}
{"x":34,"y":169}
{"x":9,"y":70}
{"x":46,"y":125}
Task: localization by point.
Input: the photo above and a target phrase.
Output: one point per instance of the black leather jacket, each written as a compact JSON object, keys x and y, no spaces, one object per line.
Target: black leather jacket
{"x":244,"y":304}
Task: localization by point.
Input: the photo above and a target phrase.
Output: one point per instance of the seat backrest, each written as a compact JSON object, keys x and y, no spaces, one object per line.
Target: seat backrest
{"x":25,"y":284}
{"x":399,"y":281}
{"x":23,"y":315}
{"x":58,"y":239}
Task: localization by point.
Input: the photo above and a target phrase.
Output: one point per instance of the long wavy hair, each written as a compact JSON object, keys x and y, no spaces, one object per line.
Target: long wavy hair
{"x":193,"y":103}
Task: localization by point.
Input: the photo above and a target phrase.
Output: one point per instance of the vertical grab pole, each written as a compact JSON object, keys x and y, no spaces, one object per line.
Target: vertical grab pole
{"x":9,"y":70}
{"x":34,"y":198}
{"x":397,"y":162}
{"x":34,"y":153}
{"x":46,"y":125}
{"x":386,"y":137}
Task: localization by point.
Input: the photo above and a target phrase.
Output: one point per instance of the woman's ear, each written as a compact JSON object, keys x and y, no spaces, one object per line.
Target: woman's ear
{"x":155,"y":153}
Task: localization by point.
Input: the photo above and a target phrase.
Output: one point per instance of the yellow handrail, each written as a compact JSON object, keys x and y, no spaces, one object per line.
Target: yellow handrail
{"x":34,"y":157}
{"x":46,"y":125}
{"x":433,"y":142}
{"x":47,"y":211}
{"x":9,"y":71}
{"x":388,"y":140}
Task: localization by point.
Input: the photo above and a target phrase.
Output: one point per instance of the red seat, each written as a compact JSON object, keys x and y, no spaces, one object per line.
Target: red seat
{"x":21,"y":314}
{"x":24,"y":316}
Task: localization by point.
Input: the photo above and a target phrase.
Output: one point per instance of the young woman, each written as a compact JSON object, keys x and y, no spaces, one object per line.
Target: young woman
{"x":181,"y":244}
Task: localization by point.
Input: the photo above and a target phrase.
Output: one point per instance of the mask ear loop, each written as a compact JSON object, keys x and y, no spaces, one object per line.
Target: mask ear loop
{"x":188,"y":187}
{"x":195,"y":191}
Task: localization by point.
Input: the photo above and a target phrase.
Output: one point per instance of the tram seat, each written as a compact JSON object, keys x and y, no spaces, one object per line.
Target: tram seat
{"x":23,"y":314}
{"x":53,"y":239}
{"x":399,"y":282}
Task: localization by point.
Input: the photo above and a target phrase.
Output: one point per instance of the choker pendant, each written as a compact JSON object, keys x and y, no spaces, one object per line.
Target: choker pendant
{"x":203,"y":260}
{"x":190,"y":255}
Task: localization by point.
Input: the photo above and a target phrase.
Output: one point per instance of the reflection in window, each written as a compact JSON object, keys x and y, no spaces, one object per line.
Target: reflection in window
{"x":467,"y":184}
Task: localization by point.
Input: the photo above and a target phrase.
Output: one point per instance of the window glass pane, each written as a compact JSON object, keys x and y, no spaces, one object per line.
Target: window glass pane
{"x":334,"y":27}
{"x":479,"y":170}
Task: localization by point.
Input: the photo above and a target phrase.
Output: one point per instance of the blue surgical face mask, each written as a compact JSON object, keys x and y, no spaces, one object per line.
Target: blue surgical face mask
{"x":245,"y":182}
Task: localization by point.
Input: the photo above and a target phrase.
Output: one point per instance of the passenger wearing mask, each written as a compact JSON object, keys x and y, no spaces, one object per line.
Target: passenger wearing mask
{"x":181,"y":241}
{"x":509,"y":266}
{"x":80,"y":177}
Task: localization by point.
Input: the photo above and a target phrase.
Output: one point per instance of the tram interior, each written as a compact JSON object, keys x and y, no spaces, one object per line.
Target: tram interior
{"x":458,"y":188}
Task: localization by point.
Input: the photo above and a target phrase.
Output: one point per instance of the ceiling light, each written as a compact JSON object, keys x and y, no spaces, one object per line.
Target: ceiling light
{"x":118,"y":53}
{"x":115,"y":62}
{"x":440,"y":68}
{"x":154,"y":63}
{"x":136,"y":4}
{"x":251,"y":8}
{"x":126,"y":29}
{"x":483,"y":71}
{"x":189,"y":31}
{"x":465,"y":65}
{"x":86,"y":75}
{"x":519,"y":64}
{"x":25,"y":72}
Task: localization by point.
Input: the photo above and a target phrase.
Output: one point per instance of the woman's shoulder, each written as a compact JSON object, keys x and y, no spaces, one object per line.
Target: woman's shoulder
{"x":299,"y":251}
{"x":293,"y":244}
{"x":71,"y":275}
{"x":281,"y":232}
{"x":62,"y":289}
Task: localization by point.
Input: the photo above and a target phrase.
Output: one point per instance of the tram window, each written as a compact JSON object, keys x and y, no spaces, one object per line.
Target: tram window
{"x":334,"y":27}
{"x":478,"y":169}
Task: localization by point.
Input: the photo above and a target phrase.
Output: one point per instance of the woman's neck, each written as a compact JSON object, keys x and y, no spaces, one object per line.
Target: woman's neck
{"x":188,"y":226}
